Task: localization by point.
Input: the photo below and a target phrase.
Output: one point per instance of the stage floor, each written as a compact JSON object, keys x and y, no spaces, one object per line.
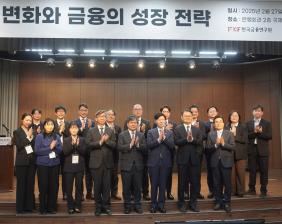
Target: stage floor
{"x":274,"y":187}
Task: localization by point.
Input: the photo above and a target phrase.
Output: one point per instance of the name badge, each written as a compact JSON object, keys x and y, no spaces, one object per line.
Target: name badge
{"x":75,"y":159}
{"x":52,"y":155}
{"x":28,"y":149}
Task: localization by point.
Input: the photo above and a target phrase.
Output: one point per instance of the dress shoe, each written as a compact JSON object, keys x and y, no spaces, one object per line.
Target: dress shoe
{"x":71,"y":211}
{"x":186,"y":196}
{"x":146,"y":197}
{"x":227,"y":208}
{"x":240,"y":195}
{"x":64,"y":197}
{"x":170,"y":197}
{"x":52,"y":212}
{"x":138,"y":210}
{"x":251,"y":192}
{"x":98,"y":212}
{"x":107,"y":211}
{"x":162,"y":210}
{"x":200,"y":196}
{"x":217,"y":207}
{"x":263,"y":195}
{"x":194,"y":208}
{"x":183,"y":208}
{"x":126,"y":210}
{"x":77,"y":210}
{"x":210,"y":195}
{"x":115,"y":197}
{"x":153,"y":210}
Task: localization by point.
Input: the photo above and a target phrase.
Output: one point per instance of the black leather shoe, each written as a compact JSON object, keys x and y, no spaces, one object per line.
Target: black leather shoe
{"x":240,"y":195}
{"x":200,"y":196}
{"x":217,"y":207}
{"x":194,"y":208}
{"x":227,"y":208}
{"x":210,"y":195}
{"x":146,"y":197}
{"x":186,"y":196}
{"x":127,"y":211}
{"x":108,"y":211}
{"x":77,"y":210}
{"x":98,"y":212}
{"x":52,"y":212}
{"x":183,"y":208}
{"x":71,"y":211}
{"x":162,"y":210}
{"x":138,"y":210}
{"x":263,"y":195}
{"x":170,"y":197}
{"x":251,"y":192}
{"x":153,"y":210}
{"x":115,"y":197}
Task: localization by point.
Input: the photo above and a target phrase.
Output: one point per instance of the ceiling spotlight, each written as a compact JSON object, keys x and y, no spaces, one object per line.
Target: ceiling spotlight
{"x":191,"y":64}
{"x":141,"y":64}
{"x":215,"y":64}
{"x":113,"y":64}
{"x":50,"y":62}
{"x":162,"y":64}
{"x":92,"y":63}
{"x":69,"y":62}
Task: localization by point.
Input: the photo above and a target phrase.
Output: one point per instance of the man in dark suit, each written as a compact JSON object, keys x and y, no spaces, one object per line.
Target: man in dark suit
{"x":160,"y":145}
{"x":84,"y":124}
{"x":187,"y":138}
{"x":111,"y":116}
{"x":142,"y":126}
{"x":202,"y":126}
{"x":132,"y":147}
{"x":101,"y":142}
{"x":259,"y":134}
{"x":169,"y":125}
{"x":61,"y":128}
{"x":212,"y":111}
{"x":221,"y":144}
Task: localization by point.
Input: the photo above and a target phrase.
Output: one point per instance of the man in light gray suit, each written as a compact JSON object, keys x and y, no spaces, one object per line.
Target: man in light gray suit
{"x":221,"y":144}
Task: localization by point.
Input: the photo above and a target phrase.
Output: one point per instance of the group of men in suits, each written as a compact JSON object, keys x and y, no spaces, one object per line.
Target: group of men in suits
{"x":141,"y":152}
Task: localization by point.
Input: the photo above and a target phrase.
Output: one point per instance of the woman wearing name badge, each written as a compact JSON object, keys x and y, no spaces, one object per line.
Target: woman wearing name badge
{"x":74,"y":149}
{"x":48,"y":148}
{"x":25,"y":165}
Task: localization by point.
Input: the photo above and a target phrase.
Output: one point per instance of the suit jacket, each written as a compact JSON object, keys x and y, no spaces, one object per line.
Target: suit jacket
{"x":159,"y":152}
{"x":69,"y":150}
{"x":117,"y":131}
{"x":129,"y":156}
{"x":170,"y":122}
{"x":143,"y":121}
{"x":83,"y":133}
{"x":241,"y":141}
{"x":203,"y":129}
{"x":187,"y":151}
{"x":262,"y":138}
{"x":65,"y":133}
{"x":225,"y":153}
{"x":100,"y":154}
{"x":21,"y":141}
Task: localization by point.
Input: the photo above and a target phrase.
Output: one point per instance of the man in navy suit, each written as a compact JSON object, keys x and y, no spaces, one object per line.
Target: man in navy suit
{"x":259,"y":134}
{"x":188,"y":139}
{"x":84,"y":124}
{"x":221,"y":144}
{"x":160,"y":145}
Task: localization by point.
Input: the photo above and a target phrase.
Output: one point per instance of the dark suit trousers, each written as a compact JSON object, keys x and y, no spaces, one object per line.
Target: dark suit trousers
{"x":70,"y":178}
{"x":145,"y":182}
{"x":198,"y":179}
{"x":114,"y":180}
{"x":132,"y":179}
{"x":25,"y":188}
{"x":222,"y":180}
{"x":88,"y":176}
{"x":102,"y":186}
{"x":169,"y":177}
{"x":262,"y":162}
{"x":209,"y":171}
{"x":238,"y":177}
{"x":184,"y":172}
{"x":48,"y":181}
{"x":62,"y":162}
{"x":158,"y":178}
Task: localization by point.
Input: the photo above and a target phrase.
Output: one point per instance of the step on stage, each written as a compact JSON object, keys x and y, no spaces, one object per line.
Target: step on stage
{"x":246,"y":208}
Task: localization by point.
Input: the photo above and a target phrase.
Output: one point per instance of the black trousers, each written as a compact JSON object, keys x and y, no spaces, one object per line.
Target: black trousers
{"x":114,"y":180}
{"x":102,"y":186}
{"x":255,"y":160}
{"x":222,"y":183}
{"x":48,"y":182}
{"x":184,"y":172}
{"x":89,"y":182}
{"x":209,"y":171}
{"x":70,"y":178}
{"x":131,"y":185}
{"x":158,"y":178}
{"x":145,"y":181}
{"x":169,"y":176}
{"x":25,"y":188}
{"x":62,"y":162}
